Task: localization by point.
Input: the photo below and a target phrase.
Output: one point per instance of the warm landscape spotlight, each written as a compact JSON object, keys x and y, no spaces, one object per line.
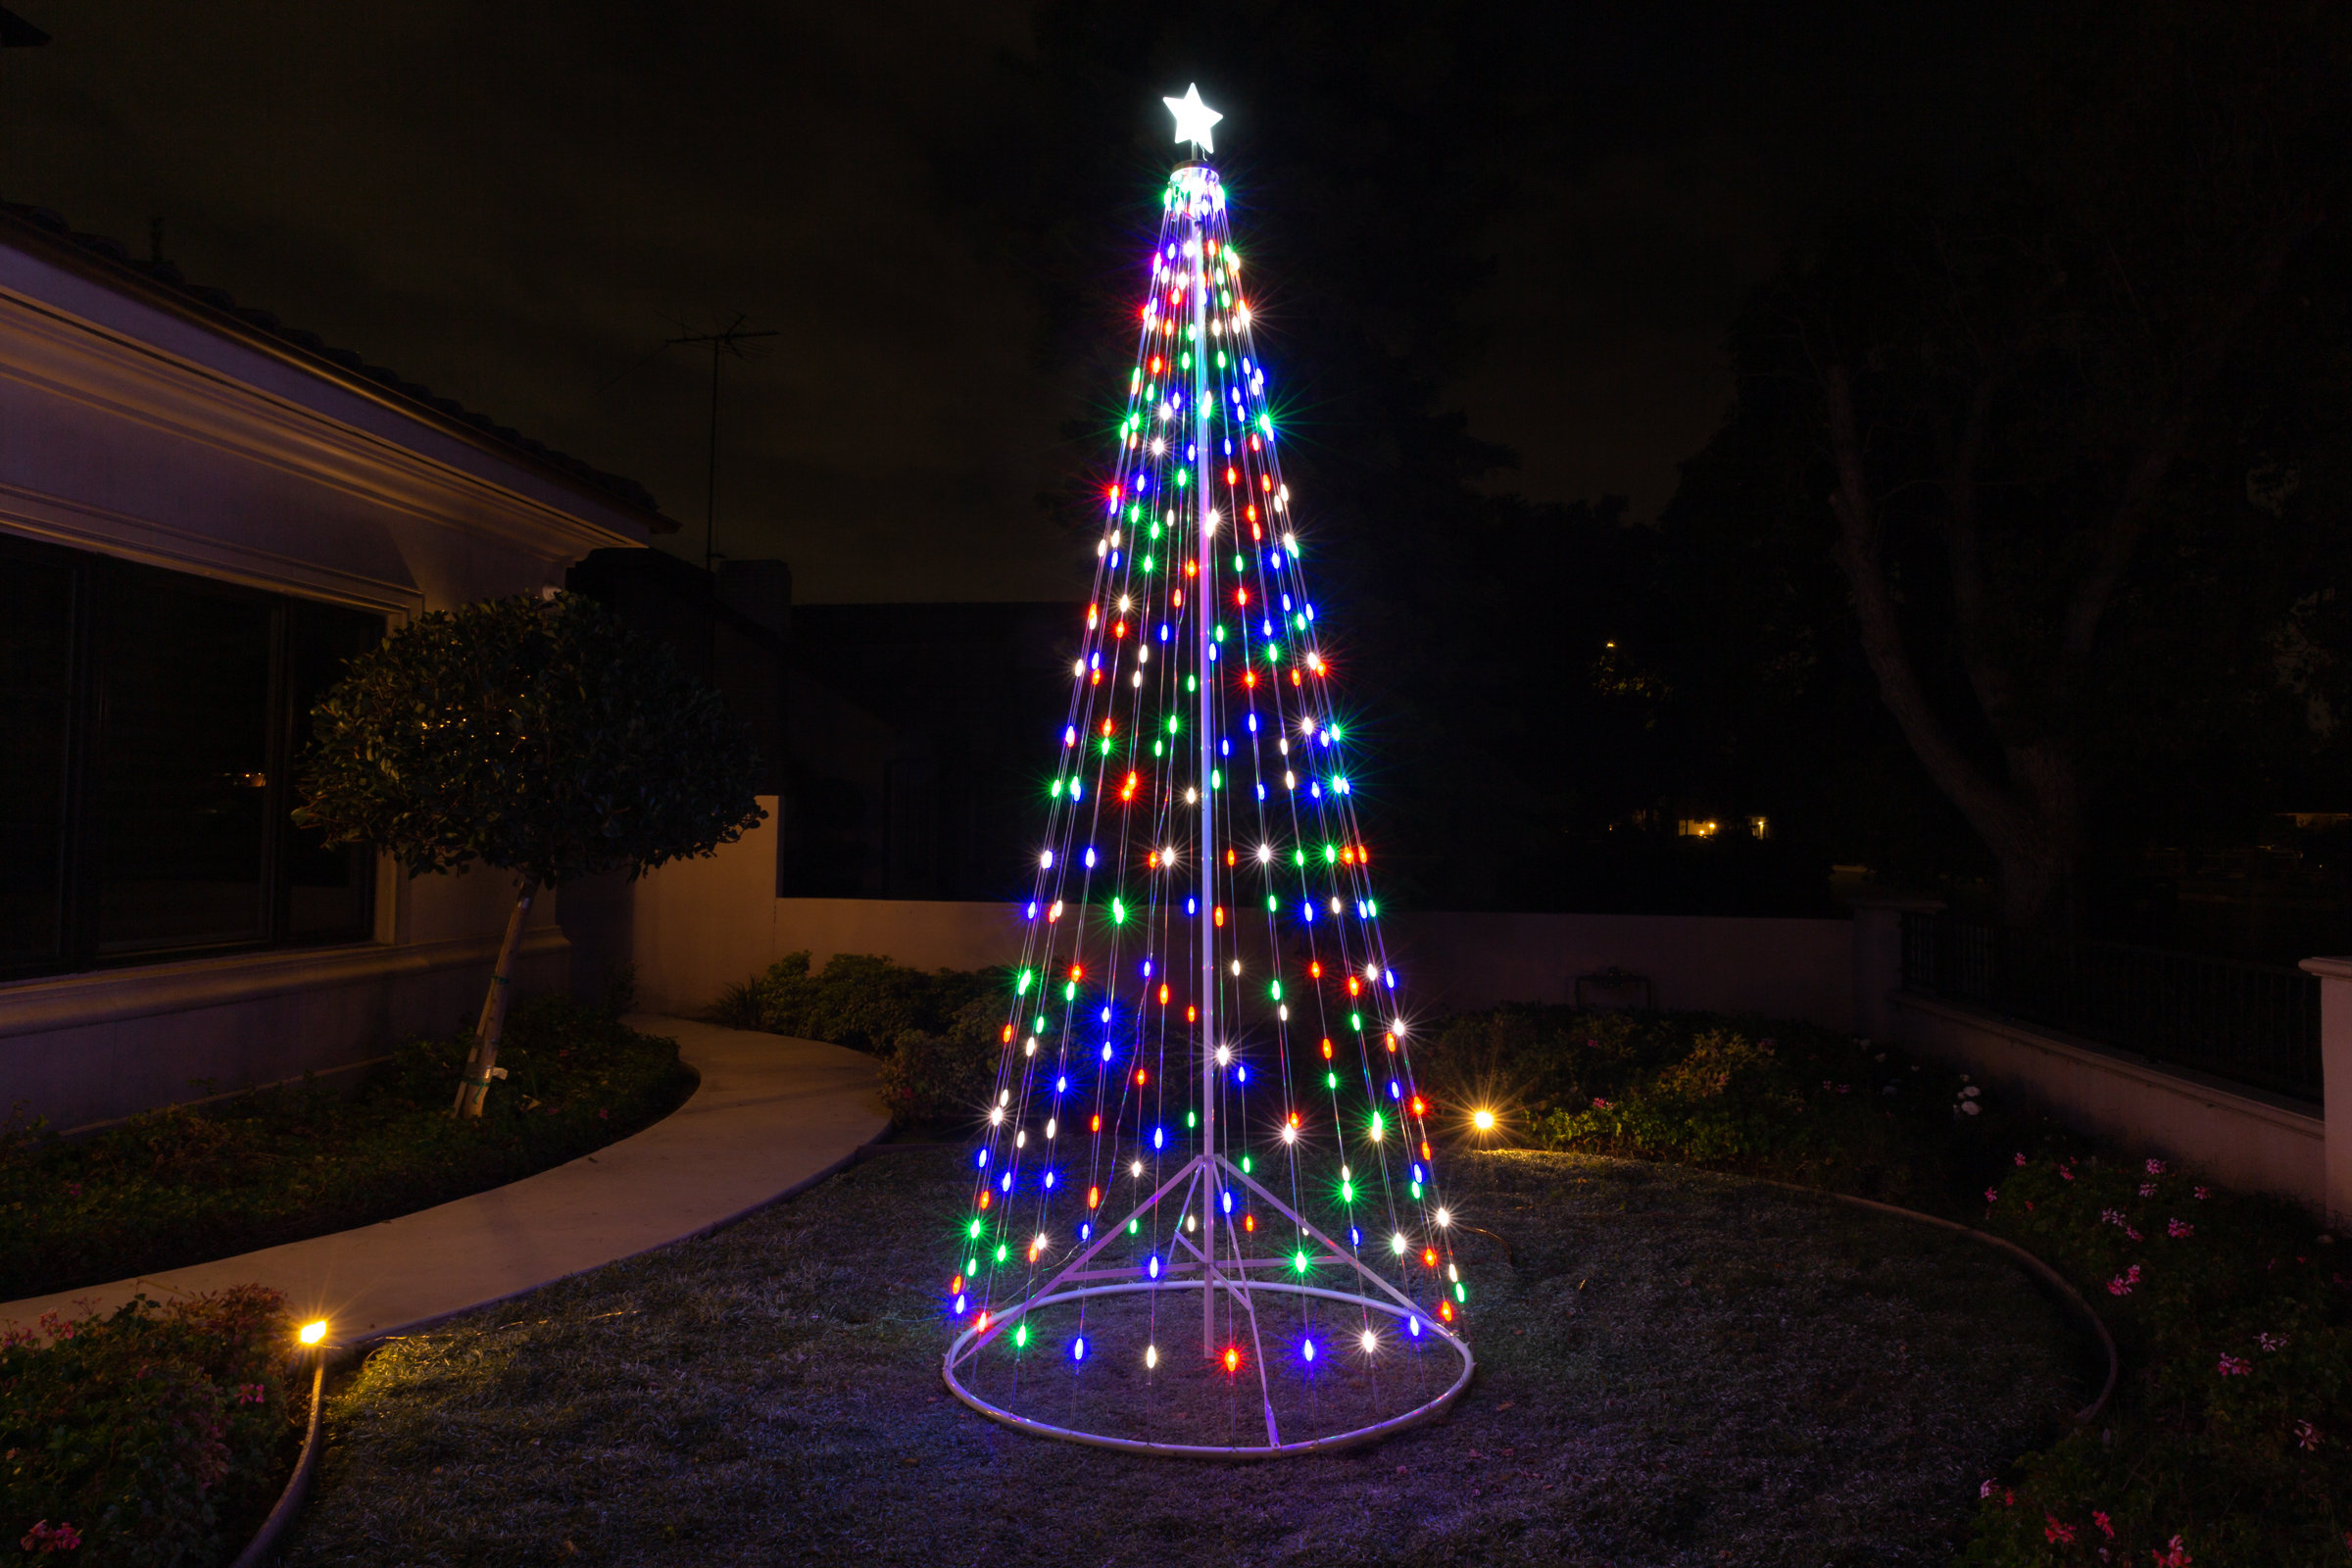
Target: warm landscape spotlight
{"x":314,"y":1332}
{"x":1483,"y":1121}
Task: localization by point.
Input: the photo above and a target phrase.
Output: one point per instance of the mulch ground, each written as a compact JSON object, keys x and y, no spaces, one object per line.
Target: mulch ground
{"x":1675,"y":1367}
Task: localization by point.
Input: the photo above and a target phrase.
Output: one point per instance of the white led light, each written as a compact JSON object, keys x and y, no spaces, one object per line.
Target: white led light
{"x":1137,"y":1169}
{"x":1397,"y":1244}
{"x":1224,"y":1056}
{"x":1445,"y":1216}
{"x":1265,"y":853}
{"x":995,"y":1115}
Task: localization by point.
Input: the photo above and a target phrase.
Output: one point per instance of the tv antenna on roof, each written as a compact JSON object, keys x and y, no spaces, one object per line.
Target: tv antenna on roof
{"x":728,"y":339}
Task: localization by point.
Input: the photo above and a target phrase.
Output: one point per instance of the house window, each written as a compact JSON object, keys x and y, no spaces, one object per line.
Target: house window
{"x":145,"y":790}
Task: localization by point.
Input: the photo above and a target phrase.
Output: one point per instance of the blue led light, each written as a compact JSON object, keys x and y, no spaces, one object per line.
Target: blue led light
{"x":1307,"y":1347}
{"x":982,"y":1161}
{"x":1078,"y":1348}
{"x":1394,"y":1093}
{"x":1061,"y":1085}
{"x":1414,"y":1324}
{"x":1008,"y":1182}
{"x":1153,"y":1267}
{"x":1159,"y":1136}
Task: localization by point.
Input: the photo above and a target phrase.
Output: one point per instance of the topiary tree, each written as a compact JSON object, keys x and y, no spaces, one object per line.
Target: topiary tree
{"x":539,"y":736}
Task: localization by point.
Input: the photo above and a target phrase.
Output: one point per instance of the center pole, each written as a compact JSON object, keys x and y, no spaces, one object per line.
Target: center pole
{"x":1204,"y":601}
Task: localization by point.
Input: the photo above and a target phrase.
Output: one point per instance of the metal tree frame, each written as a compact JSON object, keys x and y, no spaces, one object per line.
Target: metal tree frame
{"x":1207,"y":1177}
{"x":1201,"y":1176}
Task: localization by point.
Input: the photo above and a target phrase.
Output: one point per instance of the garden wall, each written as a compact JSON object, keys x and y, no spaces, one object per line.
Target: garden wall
{"x":697,"y":926}
{"x":2242,"y":1136}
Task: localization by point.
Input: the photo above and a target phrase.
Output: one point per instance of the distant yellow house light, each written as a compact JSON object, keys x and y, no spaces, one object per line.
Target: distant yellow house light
{"x":314,"y":1332}
{"x":1692,"y":827}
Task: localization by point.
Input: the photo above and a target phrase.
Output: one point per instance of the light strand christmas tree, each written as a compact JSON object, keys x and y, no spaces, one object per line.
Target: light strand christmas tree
{"x":1206,"y":1082}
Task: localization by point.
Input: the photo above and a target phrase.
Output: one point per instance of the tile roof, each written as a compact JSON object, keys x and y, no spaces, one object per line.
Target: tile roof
{"x":219,"y":310}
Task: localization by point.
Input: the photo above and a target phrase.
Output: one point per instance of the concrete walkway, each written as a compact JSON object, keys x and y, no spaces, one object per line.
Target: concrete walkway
{"x":770,"y":1116}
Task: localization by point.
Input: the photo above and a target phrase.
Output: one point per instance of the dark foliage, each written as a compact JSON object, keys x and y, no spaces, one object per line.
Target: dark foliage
{"x":151,"y":1437}
{"x":538,"y":736}
{"x":937,"y":1033}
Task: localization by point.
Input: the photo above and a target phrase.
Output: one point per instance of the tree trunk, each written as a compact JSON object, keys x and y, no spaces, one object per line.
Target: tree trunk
{"x":474,"y":1086}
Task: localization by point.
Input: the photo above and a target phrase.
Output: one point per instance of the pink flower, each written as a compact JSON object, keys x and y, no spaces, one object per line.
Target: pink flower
{"x":2021,"y":1160}
{"x":2177,"y":1231}
{"x":2177,"y":1558}
{"x":2111,"y":1216}
{"x":2307,"y":1438}
{"x":46,"y":1537}
{"x":2053,"y":1531}
{"x":1992,"y":1195}
{"x":2155,"y":1167}
{"x":2201,"y":1194}
{"x":2147,"y":1189}
{"x":2232,"y":1367}
{"x":2100,"y":1519}
{"x":252,"y":1393}
{"x":2131,"y":1234}
{"x":1600,"y":1104}
{"x":1985,"y":1491}
{"x":2270,"y":1341}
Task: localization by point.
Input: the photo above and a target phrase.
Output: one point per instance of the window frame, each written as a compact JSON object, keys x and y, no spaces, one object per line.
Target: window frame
{"x":96,"y":582}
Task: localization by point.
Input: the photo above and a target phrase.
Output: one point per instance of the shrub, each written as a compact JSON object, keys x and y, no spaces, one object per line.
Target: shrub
{"x":856,"y":999}
{"x":1790,"y":1101}
{"x":943,"y":1080}
{"x":2230,"y":1440}
{"x":145,"y":1435}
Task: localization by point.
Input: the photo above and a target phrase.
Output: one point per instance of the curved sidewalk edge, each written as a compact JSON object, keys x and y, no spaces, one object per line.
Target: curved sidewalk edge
{"x":772,"y":1115}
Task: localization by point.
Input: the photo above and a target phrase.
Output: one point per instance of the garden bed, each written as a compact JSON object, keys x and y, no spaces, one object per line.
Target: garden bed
{"x":1678,"y":1367}
{"x":178,"y":1187}
{"x":154,"y":1435}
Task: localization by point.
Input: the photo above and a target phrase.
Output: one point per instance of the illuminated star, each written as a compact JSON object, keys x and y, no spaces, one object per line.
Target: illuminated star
{"x":1194,"y":119}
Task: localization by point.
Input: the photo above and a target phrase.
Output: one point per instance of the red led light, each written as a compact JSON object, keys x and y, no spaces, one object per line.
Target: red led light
{"x":1327,"y":1051}
{"x":1094,"y":1197}
{"x":1233,"y":1359}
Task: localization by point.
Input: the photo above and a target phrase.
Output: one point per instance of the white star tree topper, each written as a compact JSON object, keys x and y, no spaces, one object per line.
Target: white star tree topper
{"x":1195,"y":119}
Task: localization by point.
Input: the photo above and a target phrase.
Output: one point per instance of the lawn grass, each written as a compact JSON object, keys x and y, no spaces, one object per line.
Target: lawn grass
{"x":178,"y":1187}
{"x":1678,"y":1367}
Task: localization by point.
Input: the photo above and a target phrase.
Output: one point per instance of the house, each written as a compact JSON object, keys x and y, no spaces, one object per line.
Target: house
{"x":202,"y":512}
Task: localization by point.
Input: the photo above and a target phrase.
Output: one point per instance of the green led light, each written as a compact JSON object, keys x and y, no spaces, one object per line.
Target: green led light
{"x":1379,"y":1124}
{"x":1020,"y":1336}
{"x":1331,"y":854}
{"x":1276,"y":990}
{"x":1157,"y":747}
{"x":1356,"y":1022}
{"x":1069,"y":991}
{"x":1021,"y":987}
{"x":1118,"y":911}
{"x":1371,"y":908}
{"x":1133,"y":1227}
{"x":1156,"y":529}
{"x":971,"y":1265}
{"x":1331,"y":1080}
{"x":1000,"y":1252}
{"x":1148,"y":566}
{"x":1192,"y":684}
{"x":975,"y":1230}
{"x":1297,"y":856}
{"x":1462,"y":1293}
{"x":1299,"y":1263}
{"x":1347,"y":1192}
{"x":1217,"y":778}
{"x":1271,"y":905}
{"x":1171,"y":723}
{"x":1417,"y":1192}
{"x":1247,"y":1167}
{"x":1107,"y":746}
{"x":1192,"y":1119}
{"x":1240,"y":563}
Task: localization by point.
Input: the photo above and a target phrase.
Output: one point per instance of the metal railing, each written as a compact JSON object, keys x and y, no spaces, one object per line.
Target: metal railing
{"x":2258,"y":1023}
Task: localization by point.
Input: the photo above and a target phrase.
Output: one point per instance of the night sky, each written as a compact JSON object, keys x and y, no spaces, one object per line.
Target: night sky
{"x":516,"y":205}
